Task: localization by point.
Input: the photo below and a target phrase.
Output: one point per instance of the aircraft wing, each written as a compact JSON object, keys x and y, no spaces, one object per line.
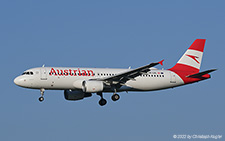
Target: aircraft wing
{"x":130,"y":75}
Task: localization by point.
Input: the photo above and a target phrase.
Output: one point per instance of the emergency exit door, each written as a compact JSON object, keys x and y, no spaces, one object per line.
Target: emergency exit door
{"x":43,"y":74}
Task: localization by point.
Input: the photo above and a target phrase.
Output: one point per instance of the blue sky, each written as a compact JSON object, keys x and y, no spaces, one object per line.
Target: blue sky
{"x":108,"y":34}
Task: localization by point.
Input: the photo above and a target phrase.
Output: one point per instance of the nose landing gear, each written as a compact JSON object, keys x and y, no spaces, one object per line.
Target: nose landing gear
{"x":42,"y":95}
{"x":41,"y":99}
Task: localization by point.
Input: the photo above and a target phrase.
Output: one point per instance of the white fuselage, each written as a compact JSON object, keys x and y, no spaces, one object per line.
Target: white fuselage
{"x":61,"y":78}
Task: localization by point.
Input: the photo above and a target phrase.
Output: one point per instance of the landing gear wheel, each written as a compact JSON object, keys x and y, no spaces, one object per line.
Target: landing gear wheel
{"x":115,"y":97}
{"x":41,"y":99}
{"x":42,"y":90}
{"x":102,"y":102}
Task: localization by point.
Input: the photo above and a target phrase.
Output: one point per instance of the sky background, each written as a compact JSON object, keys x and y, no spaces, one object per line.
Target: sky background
{"x":107,"y":34}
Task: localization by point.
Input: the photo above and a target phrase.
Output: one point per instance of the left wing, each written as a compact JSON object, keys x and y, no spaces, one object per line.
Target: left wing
{"x":129,"y":75}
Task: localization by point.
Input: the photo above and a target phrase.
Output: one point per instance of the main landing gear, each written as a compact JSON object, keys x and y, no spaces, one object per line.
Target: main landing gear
{"x":103,"y":101}
{"x":42,"y":95}
{"x":115,"y":96}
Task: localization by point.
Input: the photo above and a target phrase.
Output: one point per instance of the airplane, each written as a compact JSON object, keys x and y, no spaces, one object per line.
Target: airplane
{"x":79,"y":83}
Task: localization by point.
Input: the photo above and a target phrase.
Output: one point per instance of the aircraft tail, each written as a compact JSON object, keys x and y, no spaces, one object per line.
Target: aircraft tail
{"x":192,"y":58}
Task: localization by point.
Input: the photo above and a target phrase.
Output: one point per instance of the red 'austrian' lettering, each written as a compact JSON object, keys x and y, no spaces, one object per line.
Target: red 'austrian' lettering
{"x":66,"y":72}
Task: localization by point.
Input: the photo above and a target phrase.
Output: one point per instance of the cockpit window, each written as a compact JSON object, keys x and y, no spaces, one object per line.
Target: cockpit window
{"x":28,"y":73}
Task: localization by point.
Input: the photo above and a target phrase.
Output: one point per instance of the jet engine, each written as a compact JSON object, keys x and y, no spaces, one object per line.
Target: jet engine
{"x":75,"y":94}
{"x":89,"y":86}
{"x":92,"y":86}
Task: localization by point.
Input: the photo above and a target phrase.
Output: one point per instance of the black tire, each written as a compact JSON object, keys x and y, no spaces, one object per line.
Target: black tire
{"x":102,"y":102}
{"x":41,"y":99}
{"x":115,"y":97}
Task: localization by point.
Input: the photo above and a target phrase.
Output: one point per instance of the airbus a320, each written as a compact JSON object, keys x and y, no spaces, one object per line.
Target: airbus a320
{"x":79,"y":83}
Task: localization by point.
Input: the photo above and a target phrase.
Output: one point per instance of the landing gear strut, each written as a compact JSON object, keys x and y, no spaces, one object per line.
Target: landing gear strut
{"x":42,"y":94}
{"x":102,"y":101}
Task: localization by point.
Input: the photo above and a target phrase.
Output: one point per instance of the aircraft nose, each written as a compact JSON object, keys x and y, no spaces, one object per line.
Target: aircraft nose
{"x":18,"y":81}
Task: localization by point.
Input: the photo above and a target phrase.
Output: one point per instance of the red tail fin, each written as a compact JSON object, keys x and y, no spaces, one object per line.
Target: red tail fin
{"x":191,"y":60}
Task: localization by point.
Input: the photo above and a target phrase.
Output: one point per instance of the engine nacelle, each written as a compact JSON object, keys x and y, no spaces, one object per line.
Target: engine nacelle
{"x":92,"y":86}
{"x":75,"y":95}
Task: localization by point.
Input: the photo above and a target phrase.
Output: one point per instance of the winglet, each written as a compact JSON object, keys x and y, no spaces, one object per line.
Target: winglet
{"x":161,"y":62}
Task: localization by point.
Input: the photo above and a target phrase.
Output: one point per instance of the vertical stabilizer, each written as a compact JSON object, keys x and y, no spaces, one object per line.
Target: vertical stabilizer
{"x":192,"y":58}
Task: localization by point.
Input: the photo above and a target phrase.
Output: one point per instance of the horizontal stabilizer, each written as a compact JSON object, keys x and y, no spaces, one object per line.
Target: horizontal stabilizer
{"x":201,"y":73}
